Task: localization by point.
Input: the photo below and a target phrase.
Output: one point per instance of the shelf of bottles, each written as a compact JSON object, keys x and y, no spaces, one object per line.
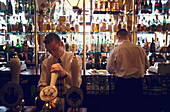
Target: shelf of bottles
{"x":17,"y":29}
{"x":153,"y":25}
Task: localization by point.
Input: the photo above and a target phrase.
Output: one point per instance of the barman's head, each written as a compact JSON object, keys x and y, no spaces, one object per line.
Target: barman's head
{"x":122,"y":34}
{"x":54,"y":45}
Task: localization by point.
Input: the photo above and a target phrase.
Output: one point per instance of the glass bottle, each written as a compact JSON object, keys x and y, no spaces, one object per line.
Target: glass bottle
{"x":48,"y":5}
{"x":16,"y":7}
{"x":157,"y":45}
{"x":9,"y":8}
{"x":156,"y":7}
{"x":30,"y":26}
{"x":105,"y":45}
{"x":12,"y":48}
{"x":102,"y":46}
{"x":20,"y":6}
{"x":98,"y":44}
{"x":164,"y":27}
{"x":116,"y":6}
{"x":111,"y":5}
{"x":64,"y":10}
{"x":106,"y":6}
{"x":20,"y":25}
{"x":26,"y":7}
{"x":32,"y":7}
{"x":9,"y":27}
{"x":160,"y":6}
{"x":152,"y":46}
{"x":142,"y":7}
{"x":150,"y":7}
{"x":17,"y":47}
{"x":48,"y":25}
{"x":136,"y":7}
{"x":146,"y":7}
{"x":96,"y":8}
{"x":93,"y":45}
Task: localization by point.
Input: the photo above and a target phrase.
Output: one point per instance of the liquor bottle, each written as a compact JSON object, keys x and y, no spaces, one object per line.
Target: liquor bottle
{"x":17,"y":47}
{"x":119,"y":23}
{"x":136,"y":7}
{"x":166,"y":7}
{"x":146,"y":7}
{"x":7,"y":47}
{"x":48,"y":5}
{"x":9,"y":8}
{"x":164,"y":27}
{"x":153,"y":25}
{"x":102,"y":46}
{"x":106,"y":6}
{"x":26,"y":7}
{"x":142,"y":7}
{"x":160,"y":6}
{"x":105,"y":45}
{"x":150,"y":7}
{"x":20,"y":6}
{"x":32,"y":7}
{"x":64,"y":11}
{"x":21,"y":46}
{"x":97,"y":24}
{"x":12,"y":48}
{"x":98,"y":45}
{"x":9,"y":27}
{"x":156,"y":7}
{"x":102,"y":6}
{"x":111,"y":44}
{"x":73,"y":45}
{"x":110,"y":25}
{"x":146,"y":46}
{"x":76,"y":26}
{"x":48,"y":25}
{"x":138,"y":43}
{"x":44,"y":24}
{"x":111,"y":5}
{"x":96,"y":10}
{"x":20,"y":26}
{"x":66,"y":44}
{"x":93,"y":45}
{"x":25,"y":46}
{"x":116,"y":6}
{"x":157,"y":45}
{"x":16,"y":7}
{"x":30,"y":26}
{"x":152,"y":46}
{"x":17,"y":25}
{"x":53,"y":29}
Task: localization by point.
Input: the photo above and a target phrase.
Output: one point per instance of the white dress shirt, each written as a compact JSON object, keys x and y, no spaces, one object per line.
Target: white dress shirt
{"x":127,"y":60}
{"x":65,"y":63}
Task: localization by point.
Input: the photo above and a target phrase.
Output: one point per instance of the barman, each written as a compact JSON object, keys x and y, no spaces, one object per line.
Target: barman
{"x":128,"y":62}
{"x":59,"y":61}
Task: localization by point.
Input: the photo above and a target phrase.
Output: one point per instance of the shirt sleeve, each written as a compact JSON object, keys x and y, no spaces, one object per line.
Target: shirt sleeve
{"x":111,"y":63}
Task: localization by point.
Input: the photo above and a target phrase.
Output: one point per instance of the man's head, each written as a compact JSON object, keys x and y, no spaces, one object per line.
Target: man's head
{"x":122,"y":34}
{"x":54,"y":45}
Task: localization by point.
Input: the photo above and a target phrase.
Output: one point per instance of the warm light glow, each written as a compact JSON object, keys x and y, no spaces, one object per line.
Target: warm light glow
{"x":78,"y":3}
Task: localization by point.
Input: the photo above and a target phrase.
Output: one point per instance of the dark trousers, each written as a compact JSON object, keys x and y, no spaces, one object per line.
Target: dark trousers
{"x":128,"y":94}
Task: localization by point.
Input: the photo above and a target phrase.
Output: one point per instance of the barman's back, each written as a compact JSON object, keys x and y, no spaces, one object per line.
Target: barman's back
{"x":127,"y":60}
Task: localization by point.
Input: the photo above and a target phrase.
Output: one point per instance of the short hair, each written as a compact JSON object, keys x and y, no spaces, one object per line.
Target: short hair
{"x":122,"y":32}
{"x":50,"y":37}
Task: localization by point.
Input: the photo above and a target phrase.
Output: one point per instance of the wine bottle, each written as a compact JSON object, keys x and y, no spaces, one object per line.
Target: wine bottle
{"x":152,"y":46}
{"x":17,"y":47}
{"x":16,"y":7}
{"x":160,"y":6}
{"x":164,"y":27}
{"x":146,"y":7}
{"x":9,"y":27}
{"x":142,"y":7}
{"x":20,"y":6}
{"x":156,"y":7}
{"x":26,"y":7}
{"x":48,"y":5}
{"x":32,"y":7}
{"x":136,"y":7}
{"x":30,"y":26}
{"x":150,"y":7}
{"x":9,"y":8}
{"x":20,"y":25}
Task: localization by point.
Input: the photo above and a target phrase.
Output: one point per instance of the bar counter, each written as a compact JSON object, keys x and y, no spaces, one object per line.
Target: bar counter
{"x":99,"y":89}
